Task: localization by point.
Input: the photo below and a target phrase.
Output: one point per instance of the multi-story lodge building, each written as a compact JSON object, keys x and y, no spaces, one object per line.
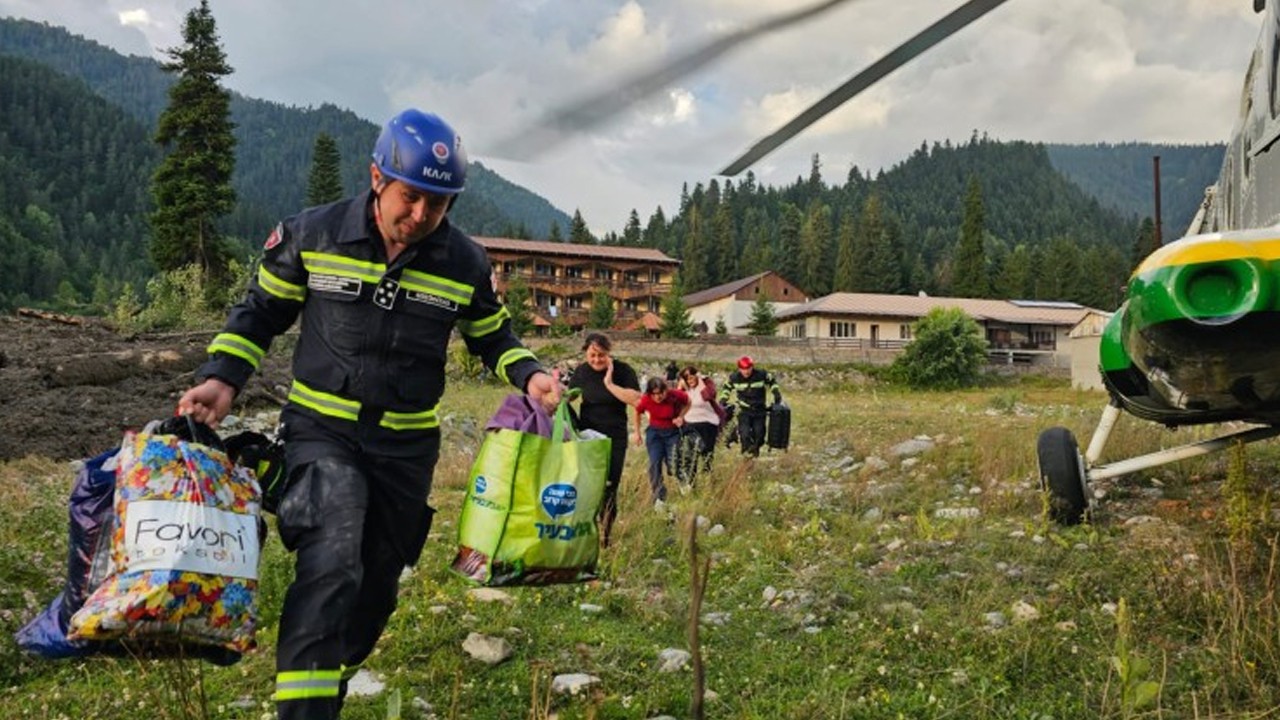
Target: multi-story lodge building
{"x":562,"y":277}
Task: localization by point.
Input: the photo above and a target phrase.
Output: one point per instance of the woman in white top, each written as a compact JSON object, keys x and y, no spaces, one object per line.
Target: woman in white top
{"x":701,"y":425}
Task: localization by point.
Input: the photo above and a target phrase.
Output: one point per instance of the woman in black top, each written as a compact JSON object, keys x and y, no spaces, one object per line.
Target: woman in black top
{"x":608,"y":387}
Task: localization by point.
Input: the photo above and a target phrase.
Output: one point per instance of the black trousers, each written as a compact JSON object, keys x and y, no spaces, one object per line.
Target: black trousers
{"x":609,"y":504}
{"x":355,"y":521}
{"x":751,"y":431}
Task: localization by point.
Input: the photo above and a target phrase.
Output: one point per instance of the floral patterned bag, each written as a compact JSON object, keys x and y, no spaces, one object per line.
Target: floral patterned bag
{"x":184,"y":557}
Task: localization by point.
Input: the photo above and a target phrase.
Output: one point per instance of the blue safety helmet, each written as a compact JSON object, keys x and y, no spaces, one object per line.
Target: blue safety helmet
{"x":421,"y":150}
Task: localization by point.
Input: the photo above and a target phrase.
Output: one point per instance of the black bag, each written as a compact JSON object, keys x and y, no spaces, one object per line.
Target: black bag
{"x":778,"y":435}
{"x":265,"y":457}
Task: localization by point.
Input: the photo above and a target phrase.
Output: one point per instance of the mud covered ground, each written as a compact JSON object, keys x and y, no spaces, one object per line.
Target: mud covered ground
{"x":69,"y":391}
{"x":70,"y":387}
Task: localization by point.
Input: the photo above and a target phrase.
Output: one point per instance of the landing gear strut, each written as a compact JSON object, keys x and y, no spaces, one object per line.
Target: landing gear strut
{"x":1065,"y":475}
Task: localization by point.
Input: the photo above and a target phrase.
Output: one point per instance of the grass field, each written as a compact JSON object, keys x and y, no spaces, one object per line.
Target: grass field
{"x":847,"y":583}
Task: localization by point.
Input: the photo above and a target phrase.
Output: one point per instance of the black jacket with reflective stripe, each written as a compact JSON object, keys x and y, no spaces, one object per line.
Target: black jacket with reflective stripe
{"x":371,"y":334}
{"x":750,"y":392}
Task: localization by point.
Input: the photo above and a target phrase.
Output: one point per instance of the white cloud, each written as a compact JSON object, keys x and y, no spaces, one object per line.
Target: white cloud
{"x":137,"y":16}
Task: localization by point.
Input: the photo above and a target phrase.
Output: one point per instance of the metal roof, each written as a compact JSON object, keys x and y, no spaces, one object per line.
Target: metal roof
{"x":582,"y":250}
{"x":917,"y":306}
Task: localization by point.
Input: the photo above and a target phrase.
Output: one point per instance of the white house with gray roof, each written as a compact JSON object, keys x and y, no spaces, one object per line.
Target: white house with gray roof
{"x":872,"y":320}
{"x":731,"y":302}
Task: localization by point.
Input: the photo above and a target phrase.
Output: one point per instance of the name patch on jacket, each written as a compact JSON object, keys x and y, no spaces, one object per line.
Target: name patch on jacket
{"x":334,"y":284}
{"x":421,"y":297}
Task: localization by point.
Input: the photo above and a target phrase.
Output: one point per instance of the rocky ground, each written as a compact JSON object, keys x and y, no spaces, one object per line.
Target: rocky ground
{"x":69,"y":387}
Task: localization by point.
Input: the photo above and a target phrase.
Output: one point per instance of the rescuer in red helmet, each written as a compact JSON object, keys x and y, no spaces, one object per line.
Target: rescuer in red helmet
{"x":747,"y":393}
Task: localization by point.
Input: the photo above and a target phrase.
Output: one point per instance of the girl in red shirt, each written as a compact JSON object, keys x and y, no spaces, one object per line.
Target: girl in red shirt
{"x":666,"y":408}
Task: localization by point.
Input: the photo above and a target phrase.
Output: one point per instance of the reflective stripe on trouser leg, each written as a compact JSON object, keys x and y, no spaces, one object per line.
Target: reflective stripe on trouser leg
{"x":321,"y":518}
{"x":307,"y":684}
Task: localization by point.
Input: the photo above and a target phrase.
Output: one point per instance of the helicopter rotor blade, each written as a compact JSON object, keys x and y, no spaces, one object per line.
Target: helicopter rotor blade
{"x":904,"y":53}
{"x":596,"y":108}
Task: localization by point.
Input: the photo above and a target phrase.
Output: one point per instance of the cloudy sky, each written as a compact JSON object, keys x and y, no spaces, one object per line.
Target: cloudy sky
{"x":1077,"y":71}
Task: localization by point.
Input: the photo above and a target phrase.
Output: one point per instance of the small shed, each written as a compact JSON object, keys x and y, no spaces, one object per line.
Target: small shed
{"x":1084,"y":345}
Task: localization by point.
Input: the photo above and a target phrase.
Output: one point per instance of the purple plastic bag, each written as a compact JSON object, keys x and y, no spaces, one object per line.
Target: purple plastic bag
{"x":92,"y":519}
{"x":523,"y":413}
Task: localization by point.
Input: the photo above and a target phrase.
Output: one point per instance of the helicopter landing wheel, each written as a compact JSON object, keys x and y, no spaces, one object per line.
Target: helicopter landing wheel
{"x":1062,"y":475}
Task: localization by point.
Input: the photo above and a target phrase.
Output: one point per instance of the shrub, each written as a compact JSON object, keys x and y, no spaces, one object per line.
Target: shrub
{"x":948,"y":352}
{"x":182,"y":299}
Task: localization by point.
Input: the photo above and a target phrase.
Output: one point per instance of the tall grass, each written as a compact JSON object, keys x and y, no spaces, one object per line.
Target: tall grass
{"x":845,"y":584}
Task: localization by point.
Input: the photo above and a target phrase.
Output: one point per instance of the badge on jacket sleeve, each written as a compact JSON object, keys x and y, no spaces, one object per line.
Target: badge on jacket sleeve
{"x":275,"y":238}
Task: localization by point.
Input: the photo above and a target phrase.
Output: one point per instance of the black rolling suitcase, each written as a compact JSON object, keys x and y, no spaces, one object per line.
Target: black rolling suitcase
{"x":778,"y":434}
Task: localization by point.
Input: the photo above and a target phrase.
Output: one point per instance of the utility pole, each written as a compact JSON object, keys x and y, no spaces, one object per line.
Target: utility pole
{"x":1159,"y":233}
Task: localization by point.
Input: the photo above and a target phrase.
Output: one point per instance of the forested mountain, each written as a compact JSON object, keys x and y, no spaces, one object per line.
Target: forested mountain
{"x":1121,"y":177}
{"x":73,"y":189}
{"x":77,"y":159}
{"x":1042,"y":236}
{"x":274,"y":141}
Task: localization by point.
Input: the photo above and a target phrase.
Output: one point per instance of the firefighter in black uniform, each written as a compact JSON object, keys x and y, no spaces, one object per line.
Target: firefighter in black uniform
{"x":381,"y":280}
{"x":750,"y":388}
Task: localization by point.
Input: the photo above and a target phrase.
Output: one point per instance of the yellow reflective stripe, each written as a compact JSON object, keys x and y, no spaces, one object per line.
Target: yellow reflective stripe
{"x":324,"y":403}
{"x":410,"y":420}
{"x":304,"y":684}
{"x":239,"y":346}
{"x":511,"y":356}
{"x":480,"y":328}
{"x":280,"y":288}
{"x":436,"y":285}
{"x":345,"y":409}
{"x":329,"y":264}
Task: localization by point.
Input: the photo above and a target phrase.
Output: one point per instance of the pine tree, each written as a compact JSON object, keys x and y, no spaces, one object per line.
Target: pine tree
{"x":763,"y":322}
{"x":676,"y":321}
{"x":843,"y":278}
{"x":192,"y":187}
{"x":325,"y":182}
{"x":555,"y":234}
{"x":1061,"y":268}
{"x":602,"y":315}
{"x":1014,"y":283}
{"x":883,"y":269}
{"x":655,"y":232}
{"x":969,"y":272}
{"x":788,"y":254}
{"x":695,"y":258}
{"x":724,"y":247}
{"x":870,"y":227}
{"x":815,"y":250}
{"x":757,"y":252}
{"x":1145,"y":243}
{"x":631,"y":233}
{"x":578,"y":232}
{"x":516,"y":300}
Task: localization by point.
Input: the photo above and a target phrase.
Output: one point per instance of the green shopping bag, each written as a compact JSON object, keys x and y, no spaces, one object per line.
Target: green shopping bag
{"x":529,"y":517}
